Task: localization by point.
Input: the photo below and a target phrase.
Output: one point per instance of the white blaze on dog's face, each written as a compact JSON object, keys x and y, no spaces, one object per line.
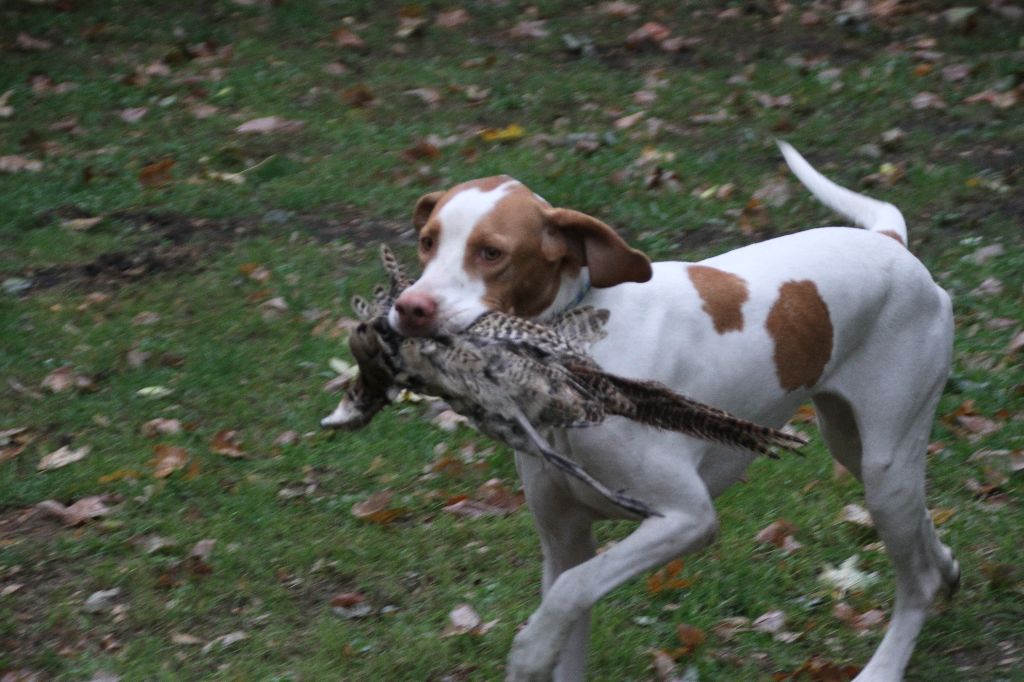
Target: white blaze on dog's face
{"x":492,"y":244}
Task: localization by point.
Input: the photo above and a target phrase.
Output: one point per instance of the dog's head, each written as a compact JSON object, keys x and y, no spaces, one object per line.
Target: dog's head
{"x":492,"y":244}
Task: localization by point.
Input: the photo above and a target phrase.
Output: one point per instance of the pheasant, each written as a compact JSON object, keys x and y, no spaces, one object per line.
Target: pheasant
{"x":509,"y":376}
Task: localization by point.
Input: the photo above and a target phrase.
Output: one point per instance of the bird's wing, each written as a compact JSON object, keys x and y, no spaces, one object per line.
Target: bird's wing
{"x":654,"y":404}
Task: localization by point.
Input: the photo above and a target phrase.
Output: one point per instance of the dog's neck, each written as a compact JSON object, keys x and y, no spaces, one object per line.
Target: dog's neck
{"x":574,"y":289}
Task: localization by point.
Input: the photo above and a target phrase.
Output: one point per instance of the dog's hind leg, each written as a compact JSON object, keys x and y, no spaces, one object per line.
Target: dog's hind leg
{"x":882,"y":437}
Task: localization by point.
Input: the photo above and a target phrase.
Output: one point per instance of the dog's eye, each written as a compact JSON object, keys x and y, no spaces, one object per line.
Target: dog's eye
{"x":426,"y":243}
{"x":490,"y":254}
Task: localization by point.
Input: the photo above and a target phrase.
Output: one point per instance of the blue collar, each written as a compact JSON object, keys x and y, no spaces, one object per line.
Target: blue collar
{"x":580,"y":295}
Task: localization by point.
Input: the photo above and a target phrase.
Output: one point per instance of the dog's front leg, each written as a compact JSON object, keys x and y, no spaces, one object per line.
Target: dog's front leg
{"x":567,"y":601}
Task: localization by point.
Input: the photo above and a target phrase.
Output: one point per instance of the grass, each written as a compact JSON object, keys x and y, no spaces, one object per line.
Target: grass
{"x":313,"y":205}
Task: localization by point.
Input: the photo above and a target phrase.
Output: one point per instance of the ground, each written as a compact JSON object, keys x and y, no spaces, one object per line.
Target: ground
{"x":172,"y":252}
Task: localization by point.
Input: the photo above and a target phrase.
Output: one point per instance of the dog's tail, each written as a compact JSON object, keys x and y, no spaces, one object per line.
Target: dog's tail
{"x":877,"y":216}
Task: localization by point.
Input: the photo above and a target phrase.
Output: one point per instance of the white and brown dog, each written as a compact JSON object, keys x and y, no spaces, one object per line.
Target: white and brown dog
{"x":846,"y":318}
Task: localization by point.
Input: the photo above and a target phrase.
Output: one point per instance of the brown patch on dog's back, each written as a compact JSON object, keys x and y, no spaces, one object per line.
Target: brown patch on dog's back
{"x":723,"y":294}
{"x":801,"y":327}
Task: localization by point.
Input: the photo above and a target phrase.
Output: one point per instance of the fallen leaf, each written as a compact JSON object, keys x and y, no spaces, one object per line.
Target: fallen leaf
{"x":651,"y":33}
{"x":6,"y":110}
{"x":376,"y":508}
{"x":977,"y":425}
{"x":862,"y":623}
{"x":780,"y":534}
{"x":690,"y":638}
{"x":727,"y":628}
{"x":153,"y":391}
{"x":78,"y":513}
{"x":927,"y":100}
{"x":775,"y":192}
{"x":528,"y":29}
{"x":452,"y":18}
{"x":628,"y":121}
{"x":151,"y":544}
{"x":770,"y":623}
{"x":147,"y":318}
{"x":202,"y":549}
{"x":101,"y":600}
{"x":359,"y":95}
{"x":618,"y":8}
{"x":161,"y":427}
{"x":156,"y":174}
{"x":273,"y":309}
{"x":429,"y":96}
{"x":168,"y":459}
{"x":64,"y":378}
{"x":345,"y":37}
{"x":940,"y":516}
{"x":62,"y":457}
{"x":270,"y":124}
{"x":228,"y":443}
{"x":27,"y":43}
{"x":999,"y":100}
{"x":133,"y":115}
{"x":184,"y":639}
{"x":857,"y":515}
{"x":347,"y":599}
{"x":225,"y":641}
{"x":287,"y":438}
{"x":847,"y":577}
{"x":81,"y":224}
{"x":665,"y":578}
{"x":464,"y":620}
{"x":513,"y":131}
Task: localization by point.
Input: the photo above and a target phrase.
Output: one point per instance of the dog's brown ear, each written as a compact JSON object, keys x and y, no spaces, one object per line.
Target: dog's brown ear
{"x":424,"y":207}
{"x":609,"y":258}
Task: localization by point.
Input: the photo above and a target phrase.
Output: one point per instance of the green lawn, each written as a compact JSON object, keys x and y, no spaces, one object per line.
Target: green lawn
{"x":222,"y":262}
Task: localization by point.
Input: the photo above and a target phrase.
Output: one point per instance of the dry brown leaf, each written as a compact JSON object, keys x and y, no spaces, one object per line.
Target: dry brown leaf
{"x":727,"y":628}
{"x":157,"y":174}
{"x":185,"y":639}
{"x":161,"y":427}
{"x":59,"y":380}
{"x":651,"y":33}
{"x":977,"y":425}
{"x":690,"y":638}
{"x":168,"y":459}
{"x":228,"y":442}
{"x":665,"y":578}
{"x":376,"y":508}
{"x":528,"y":29}
{"x":780,"y":534}
{"x":287,"y":438}
{"x":78,"y":513}
{"x":62,"y":457}
{"x":862,"y":623}
{"x":27,"y":43}
{"x":359,"y":95}
{"x":618,"y":8}
{"x":345,"y":37}
{"x":452,"y":18}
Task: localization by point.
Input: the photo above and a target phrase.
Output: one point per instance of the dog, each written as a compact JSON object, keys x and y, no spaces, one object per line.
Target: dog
{"x":846,"y":318}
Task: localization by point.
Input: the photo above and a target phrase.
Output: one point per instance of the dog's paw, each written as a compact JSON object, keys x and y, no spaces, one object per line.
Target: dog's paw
{"x":530,"y":661}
